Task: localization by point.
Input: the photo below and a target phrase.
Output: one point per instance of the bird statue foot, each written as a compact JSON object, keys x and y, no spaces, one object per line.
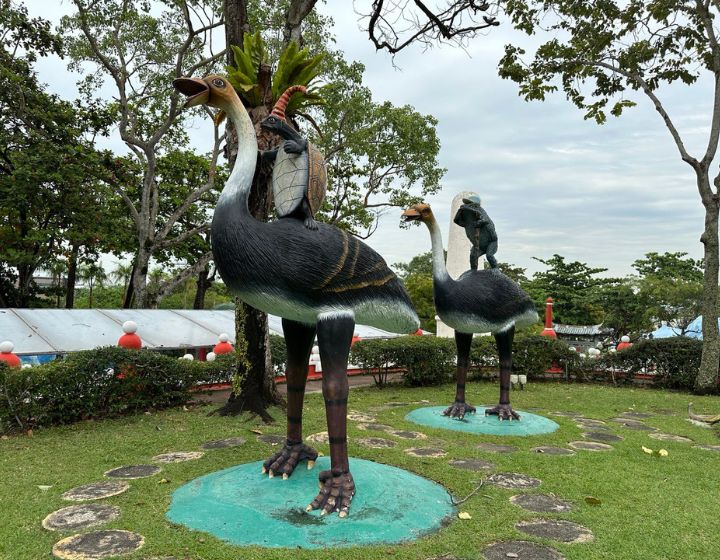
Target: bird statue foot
{"x":459,"y":410}
{"x":337,"y":489}
{"x":284,"y":461}
{"x":503,"y":412}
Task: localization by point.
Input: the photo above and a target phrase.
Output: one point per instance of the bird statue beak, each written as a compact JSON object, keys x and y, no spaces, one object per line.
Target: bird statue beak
{"x":410,"y":215}
{"x":195,"y":89}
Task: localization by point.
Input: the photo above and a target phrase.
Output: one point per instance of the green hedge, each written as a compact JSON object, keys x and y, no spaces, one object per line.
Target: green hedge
{"x":427,"y":360}
{"x":98,"y":383}
{"x":674,"y":362}
{"x":532,"y":354}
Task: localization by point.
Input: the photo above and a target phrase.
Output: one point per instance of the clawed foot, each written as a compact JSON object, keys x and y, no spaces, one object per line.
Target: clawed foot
{"x":459,"y":410}
{"x":503,"y":411}
{"x":337,"y":489}
{"x":285,"y":460}
{"x":310,"y":223}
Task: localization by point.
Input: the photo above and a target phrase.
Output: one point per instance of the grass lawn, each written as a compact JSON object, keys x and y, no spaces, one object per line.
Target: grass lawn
{"x":651,"y":507}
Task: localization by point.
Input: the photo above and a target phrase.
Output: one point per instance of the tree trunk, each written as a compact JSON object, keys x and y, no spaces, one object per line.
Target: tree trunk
{"x":139,"y":278}
{"x":203,"y":283}
{"x":71,"y":278}
{"x":707,"y":379}
{"x":254,"y":387}
{"x":129,"y":288}
{"x":236,"y":25}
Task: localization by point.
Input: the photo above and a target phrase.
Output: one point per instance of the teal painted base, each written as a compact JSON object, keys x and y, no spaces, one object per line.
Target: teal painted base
{"x":529,"y":424}
{"x":243,"y":507}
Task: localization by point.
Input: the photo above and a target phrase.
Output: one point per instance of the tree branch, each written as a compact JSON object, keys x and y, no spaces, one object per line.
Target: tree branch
{"x":168,"y":286}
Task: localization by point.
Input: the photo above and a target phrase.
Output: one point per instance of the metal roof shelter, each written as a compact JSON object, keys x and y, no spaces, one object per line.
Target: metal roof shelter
{"x":57,"y":331}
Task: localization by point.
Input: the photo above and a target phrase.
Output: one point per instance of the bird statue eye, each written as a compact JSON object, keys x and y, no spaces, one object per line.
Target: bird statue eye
{"x":217,"y":82}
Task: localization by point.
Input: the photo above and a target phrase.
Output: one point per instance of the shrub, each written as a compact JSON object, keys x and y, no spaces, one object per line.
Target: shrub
{"x":534,"y":354}
{"x":427,"y":360}
{"x":278,"y":353}
{"x":97,"y":383}
{"x":673,"y":361}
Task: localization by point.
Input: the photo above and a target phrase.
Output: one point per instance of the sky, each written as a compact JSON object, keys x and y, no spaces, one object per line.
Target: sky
{"x":551,"y":181}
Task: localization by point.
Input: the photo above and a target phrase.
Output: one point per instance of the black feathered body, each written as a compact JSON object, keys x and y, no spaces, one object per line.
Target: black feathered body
{"x":285,"y":269}
{"x":482,"y":301}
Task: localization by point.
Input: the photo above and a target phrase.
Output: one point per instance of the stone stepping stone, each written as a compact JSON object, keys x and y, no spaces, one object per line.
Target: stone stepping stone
{"x":320,"y":437}
{"x":404,"y":434}
{"x":377,"y":443}
{"x":472,"y":464}
{"x":272,"y":439}
{"x":715,"y":448}
{"x":80,"y":517}
{"x":133,"y":471}
{"x":550,"y":450}
{"x":591,"y":421}
{"x":602,"y":436}
{"x":590,"y":446}
{"x":497,"y":448}
{"x":520,"y":550}
{"x":374,"y":427}
{"x":568,"y":414}
{"x":513,"y":481}
{"x":670,"y":437}
{"x":592,"y":427}
{"x":223,"y":443}
{"x":633,"y":414}
{"x":98,"y":545}
{"x":96,"y":491}
{"x":360,"y":417}
{"x":177,"y":457}
{"x":541,"y":503}
{"x":634,"y":425}
{"x":432,"y":452}
{"x":556,"y":529}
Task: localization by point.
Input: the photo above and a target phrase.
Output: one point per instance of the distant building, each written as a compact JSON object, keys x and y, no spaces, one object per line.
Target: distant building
{"x":582,"y":337}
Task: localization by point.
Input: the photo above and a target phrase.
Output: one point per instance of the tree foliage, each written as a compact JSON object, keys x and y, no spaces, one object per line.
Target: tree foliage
{"x":599,"y":54}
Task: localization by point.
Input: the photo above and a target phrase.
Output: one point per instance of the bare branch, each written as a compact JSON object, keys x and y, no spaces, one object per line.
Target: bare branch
{"x":168,"y":286}
{"x":461,"y":20}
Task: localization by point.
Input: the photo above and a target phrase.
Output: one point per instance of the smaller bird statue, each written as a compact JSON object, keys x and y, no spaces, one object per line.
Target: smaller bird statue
{"x":478,"y":301}
{"x":299,"y":178}
{"x":704,"y":418}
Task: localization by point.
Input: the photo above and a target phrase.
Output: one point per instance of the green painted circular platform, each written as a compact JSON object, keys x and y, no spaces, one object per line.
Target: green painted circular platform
{"x":528,"y":425}
{"x":243,"y":507}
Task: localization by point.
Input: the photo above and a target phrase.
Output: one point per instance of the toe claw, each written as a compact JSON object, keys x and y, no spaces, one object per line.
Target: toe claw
{"x":310,"y":464}
{"x":343,"y":514}
{"x":309,"y":508}
{"x":271,"y":474}
{"x":285,"y":476}
{"x":263,"y":471}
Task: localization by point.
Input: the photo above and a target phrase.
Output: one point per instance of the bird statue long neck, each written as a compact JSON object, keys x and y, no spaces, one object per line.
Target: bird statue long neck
{"x":440,"y":272}
{"x":237,"y":188}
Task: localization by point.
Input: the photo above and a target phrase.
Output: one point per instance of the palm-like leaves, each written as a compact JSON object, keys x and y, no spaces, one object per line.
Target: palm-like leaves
{"x":295,"y":67}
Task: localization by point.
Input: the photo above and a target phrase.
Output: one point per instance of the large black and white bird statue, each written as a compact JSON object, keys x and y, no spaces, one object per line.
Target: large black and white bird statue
{"x":319,"y":281}
{"x":479,"y":301}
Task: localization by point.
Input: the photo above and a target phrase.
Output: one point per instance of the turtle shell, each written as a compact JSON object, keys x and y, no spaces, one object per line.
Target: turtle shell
{"x":296,"y":176}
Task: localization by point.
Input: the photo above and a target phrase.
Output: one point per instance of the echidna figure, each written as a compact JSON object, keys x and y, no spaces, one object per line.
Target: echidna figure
{"x":299,"y":178}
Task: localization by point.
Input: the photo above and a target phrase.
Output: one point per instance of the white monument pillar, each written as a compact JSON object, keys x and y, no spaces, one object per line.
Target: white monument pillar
{"x":458,"y":254}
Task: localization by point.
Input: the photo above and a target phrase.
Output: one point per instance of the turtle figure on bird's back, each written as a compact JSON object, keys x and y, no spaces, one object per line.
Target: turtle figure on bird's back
{"x":299,"y":178}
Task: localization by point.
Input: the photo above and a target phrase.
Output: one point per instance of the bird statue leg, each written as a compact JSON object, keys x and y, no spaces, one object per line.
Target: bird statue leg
{"x":503,"y":410}
{"x":460,"y":408}
{"x":299,"y":339}
{"x":337,"y":487}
